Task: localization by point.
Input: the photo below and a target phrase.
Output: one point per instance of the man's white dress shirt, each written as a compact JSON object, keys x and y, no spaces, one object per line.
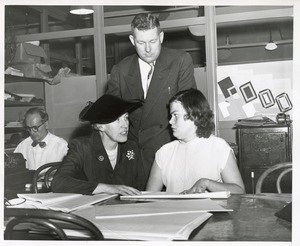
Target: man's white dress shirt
{"x":55,"y":150}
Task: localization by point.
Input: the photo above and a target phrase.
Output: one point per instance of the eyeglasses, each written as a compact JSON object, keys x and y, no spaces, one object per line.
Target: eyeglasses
{"x":34,"y":128}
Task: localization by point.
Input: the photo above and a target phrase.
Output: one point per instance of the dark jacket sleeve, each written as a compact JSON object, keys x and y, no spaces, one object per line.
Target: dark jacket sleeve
{"x":70,"y":177}
{"x":186,"y":73}
{"x":113,"y":85}
{"x":140,"y":179}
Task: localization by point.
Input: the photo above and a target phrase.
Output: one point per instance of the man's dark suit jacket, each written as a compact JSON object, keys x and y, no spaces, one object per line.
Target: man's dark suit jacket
{"x":149,"y":124}
{"x":87,"y":164}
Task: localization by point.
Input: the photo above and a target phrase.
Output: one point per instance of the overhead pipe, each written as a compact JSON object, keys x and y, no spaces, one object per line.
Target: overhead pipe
{"x":233,"y":46}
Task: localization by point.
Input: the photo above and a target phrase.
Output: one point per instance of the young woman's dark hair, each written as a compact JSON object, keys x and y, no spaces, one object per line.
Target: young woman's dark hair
{"x":198,"y":110}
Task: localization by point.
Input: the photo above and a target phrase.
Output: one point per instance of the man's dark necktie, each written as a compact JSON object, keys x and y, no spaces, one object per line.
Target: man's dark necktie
{"x":41,"y":144}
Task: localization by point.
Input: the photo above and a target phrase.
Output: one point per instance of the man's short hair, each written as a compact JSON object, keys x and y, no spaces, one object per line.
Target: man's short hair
{"x":40,"y":111}
{"x":145,"y":21}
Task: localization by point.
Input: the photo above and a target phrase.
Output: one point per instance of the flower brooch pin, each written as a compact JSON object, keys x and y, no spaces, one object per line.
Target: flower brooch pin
{"x":130,"y":154}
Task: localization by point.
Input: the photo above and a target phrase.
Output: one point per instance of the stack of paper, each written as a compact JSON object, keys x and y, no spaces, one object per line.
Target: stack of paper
{"x":165,"y":195}
{"x":160,"y":220}
{"x":155,"y":227}
{"x":65,"y":202}
{"x":255,"y":121}
{"x":160,"y":207}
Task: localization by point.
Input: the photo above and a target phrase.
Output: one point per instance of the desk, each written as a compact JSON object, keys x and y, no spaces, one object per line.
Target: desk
{"x":252,"y":219}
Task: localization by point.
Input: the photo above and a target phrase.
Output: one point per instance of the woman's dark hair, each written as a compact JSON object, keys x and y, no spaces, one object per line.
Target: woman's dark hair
{"x":198,"y":110}
{"x":145,"y":21}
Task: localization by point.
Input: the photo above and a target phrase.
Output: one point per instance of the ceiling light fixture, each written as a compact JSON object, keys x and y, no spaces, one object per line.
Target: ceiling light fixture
{"x":198,"y":30}
{"x":81,"y":10}
{"x":271,"y":45}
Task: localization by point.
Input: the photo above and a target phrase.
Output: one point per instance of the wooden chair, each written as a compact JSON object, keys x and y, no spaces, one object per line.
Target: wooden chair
{"x":41,"y":224}
{"x":47,"y":171}
{"x":286,"y":168}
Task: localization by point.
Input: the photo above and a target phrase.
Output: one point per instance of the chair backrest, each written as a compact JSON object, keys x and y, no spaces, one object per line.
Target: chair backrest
{"x":41,"y":224}
{"x":285,"y":168}
{"x":45,"y":173}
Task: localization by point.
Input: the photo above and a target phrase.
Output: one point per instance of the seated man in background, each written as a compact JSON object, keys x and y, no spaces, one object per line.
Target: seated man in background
{"x":103,"y":162}
{"x":41,"y":146}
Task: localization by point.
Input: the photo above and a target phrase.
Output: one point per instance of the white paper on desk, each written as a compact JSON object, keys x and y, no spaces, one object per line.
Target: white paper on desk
{"x":159,"y":207}
{"x":165,"y":195}
{"x":165,"y":227}
{"x":66,"y":202}
{"x":48,"y":198}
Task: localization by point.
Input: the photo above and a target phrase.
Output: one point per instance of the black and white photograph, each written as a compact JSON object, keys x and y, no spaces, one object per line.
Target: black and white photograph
{"x":150,"y":122}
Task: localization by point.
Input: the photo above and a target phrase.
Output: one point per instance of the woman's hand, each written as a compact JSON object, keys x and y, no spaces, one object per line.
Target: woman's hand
{"x":199,"y":187}
{"x":116,"y":189}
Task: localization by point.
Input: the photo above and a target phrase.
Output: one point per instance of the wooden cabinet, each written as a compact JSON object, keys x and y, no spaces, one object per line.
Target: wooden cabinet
{"x":16,"y":104}
{"x":260,"y":148}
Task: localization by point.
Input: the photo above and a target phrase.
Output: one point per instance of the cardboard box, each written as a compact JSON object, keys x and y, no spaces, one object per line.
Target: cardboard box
{"x":34,"y":70}
{"x":28,"y":53}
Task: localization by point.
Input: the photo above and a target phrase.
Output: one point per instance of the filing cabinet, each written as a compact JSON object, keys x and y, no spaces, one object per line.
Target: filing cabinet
{"x":260,"y":148}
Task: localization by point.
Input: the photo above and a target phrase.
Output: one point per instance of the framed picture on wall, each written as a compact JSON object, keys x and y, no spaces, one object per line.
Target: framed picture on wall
{"x":257,"y":86}
{"x":248,"y":92}
{"x":284,"y":103}
{"x":266,"y":98}
{"x":227,"y":87}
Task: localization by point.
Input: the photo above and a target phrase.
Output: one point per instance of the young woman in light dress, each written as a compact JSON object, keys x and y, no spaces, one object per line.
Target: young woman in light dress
{"x":197,"y":161}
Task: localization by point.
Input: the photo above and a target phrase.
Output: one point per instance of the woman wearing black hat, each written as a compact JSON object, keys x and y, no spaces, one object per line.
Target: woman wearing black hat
{"x":103,"y":162}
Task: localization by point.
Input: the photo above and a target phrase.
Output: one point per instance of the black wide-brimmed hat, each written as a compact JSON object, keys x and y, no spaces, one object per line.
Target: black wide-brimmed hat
{"x":107,"y":109}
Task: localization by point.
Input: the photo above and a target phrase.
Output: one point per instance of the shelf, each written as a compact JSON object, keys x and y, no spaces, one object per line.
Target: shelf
{"x":21,"y":104}
{"x":9,"y":147}
{"x":16,"y":106}
{"x":14,"y":79}
{"x":9,"y":130}
{"x":9,"y":150}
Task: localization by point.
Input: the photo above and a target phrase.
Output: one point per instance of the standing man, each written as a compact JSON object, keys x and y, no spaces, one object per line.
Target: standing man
{"x":154,"y":75}
{"x":41,"y":146}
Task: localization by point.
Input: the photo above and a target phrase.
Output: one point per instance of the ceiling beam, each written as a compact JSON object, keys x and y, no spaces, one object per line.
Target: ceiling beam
{"x":120,"y":13}
{"x":224,"y":19}
{"x":63,"y":57}
{"x":221,"y":20}
{"x":168,"y":24}
{"x":55,"y":35}
{"x":254,"y":17}
{"x":59,"y":14}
